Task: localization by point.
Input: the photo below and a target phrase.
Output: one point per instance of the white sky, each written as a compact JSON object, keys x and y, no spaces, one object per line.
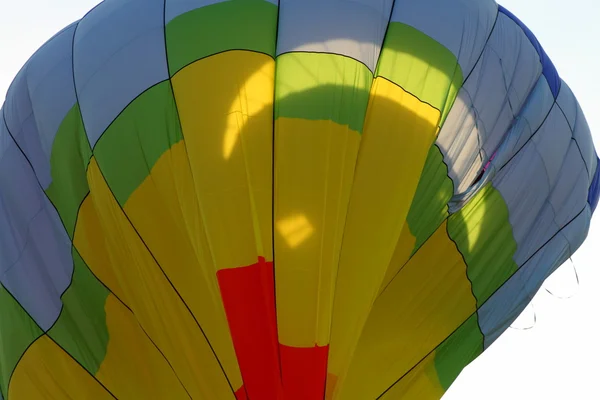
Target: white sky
{"x":559,"y":359}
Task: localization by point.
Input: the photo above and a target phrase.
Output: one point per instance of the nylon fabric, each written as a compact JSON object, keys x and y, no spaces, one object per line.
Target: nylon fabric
{"x":381,"y":198}
{"x":280,"y":200}
{"x":354,"y":29}
{"x":505,"y":306}
{"x":36,"y":259}
{"x":477,"y":124}
{"x":39,"y":99}
{"x":46,"y":371}
{"x":461,"y":27}
{"x":434,"y":277}
{"x":126,"y":59}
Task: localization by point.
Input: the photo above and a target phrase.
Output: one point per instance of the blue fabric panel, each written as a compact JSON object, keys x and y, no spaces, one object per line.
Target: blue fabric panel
{"x":119,"y":52}
{"x":39,"y":99}
{"x":533,"y":113}
{"x":503,"y":308}
{"x":570,"y":108}
{"x":583,"y":136}
{"x":572,"y":187}
{"x":594,"y":191}
{"x":568,"y":103}
{"x":549,"y":70}
{"x":461,"y":26}
{"x":35,"y":251}
{"x":175,"y":8}
{"x":488,"y":104}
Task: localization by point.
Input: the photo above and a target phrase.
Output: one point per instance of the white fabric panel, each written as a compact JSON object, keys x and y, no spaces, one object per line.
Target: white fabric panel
{"x":459,"y":143}
{"x":503,"y":308}
{"x":351,"y":28}
{"x":461,"y":26}
{"x":494,"y":94}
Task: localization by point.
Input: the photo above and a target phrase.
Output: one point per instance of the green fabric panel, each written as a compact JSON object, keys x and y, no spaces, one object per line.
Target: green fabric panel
{"x":230,"y":25}
{"x":322,"y":86}
{"x":430,"y":204}
{"x":457,"y":351}
{"x":68,"y":164}
{"x":17,"y":332}
{"x":133,"y":143}
{"x":421,"y":66}
{"x":483,"y":234}
{"x":81,"y":329}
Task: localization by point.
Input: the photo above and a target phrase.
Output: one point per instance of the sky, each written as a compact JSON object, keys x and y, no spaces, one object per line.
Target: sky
{"x":558,"y":358}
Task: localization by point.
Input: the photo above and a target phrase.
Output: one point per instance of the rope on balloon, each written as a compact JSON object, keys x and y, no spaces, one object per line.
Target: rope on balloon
{"x":534,"y":318}
{"x":553,"y":295}
{"x":576,"y":279}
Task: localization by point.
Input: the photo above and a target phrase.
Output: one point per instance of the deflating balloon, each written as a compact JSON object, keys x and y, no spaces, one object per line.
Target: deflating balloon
{"x":298,"y":200}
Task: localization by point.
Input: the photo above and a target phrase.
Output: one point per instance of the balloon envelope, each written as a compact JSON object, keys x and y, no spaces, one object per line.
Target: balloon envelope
{"x":280,"y":200}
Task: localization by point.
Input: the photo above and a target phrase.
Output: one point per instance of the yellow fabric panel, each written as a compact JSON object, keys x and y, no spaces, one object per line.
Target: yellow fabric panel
{"x":164,"y":210}
{"x":225,"y":105}
{"x":47,"y":372}
{"x":314,"y":168}
{"x":133,"y":368}
{"x":114,"y":252}
{"x":428,"y":299}
{"x":399,"y":130}
{"x":404,"y":248}
{"x":421,"y":383}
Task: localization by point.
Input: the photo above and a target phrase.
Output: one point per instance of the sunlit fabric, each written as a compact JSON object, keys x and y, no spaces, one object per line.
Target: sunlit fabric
{"x":293,"y":200}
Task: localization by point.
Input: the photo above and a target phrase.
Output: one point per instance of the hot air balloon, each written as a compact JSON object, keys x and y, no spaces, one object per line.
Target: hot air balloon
{"x":303,"y":199}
